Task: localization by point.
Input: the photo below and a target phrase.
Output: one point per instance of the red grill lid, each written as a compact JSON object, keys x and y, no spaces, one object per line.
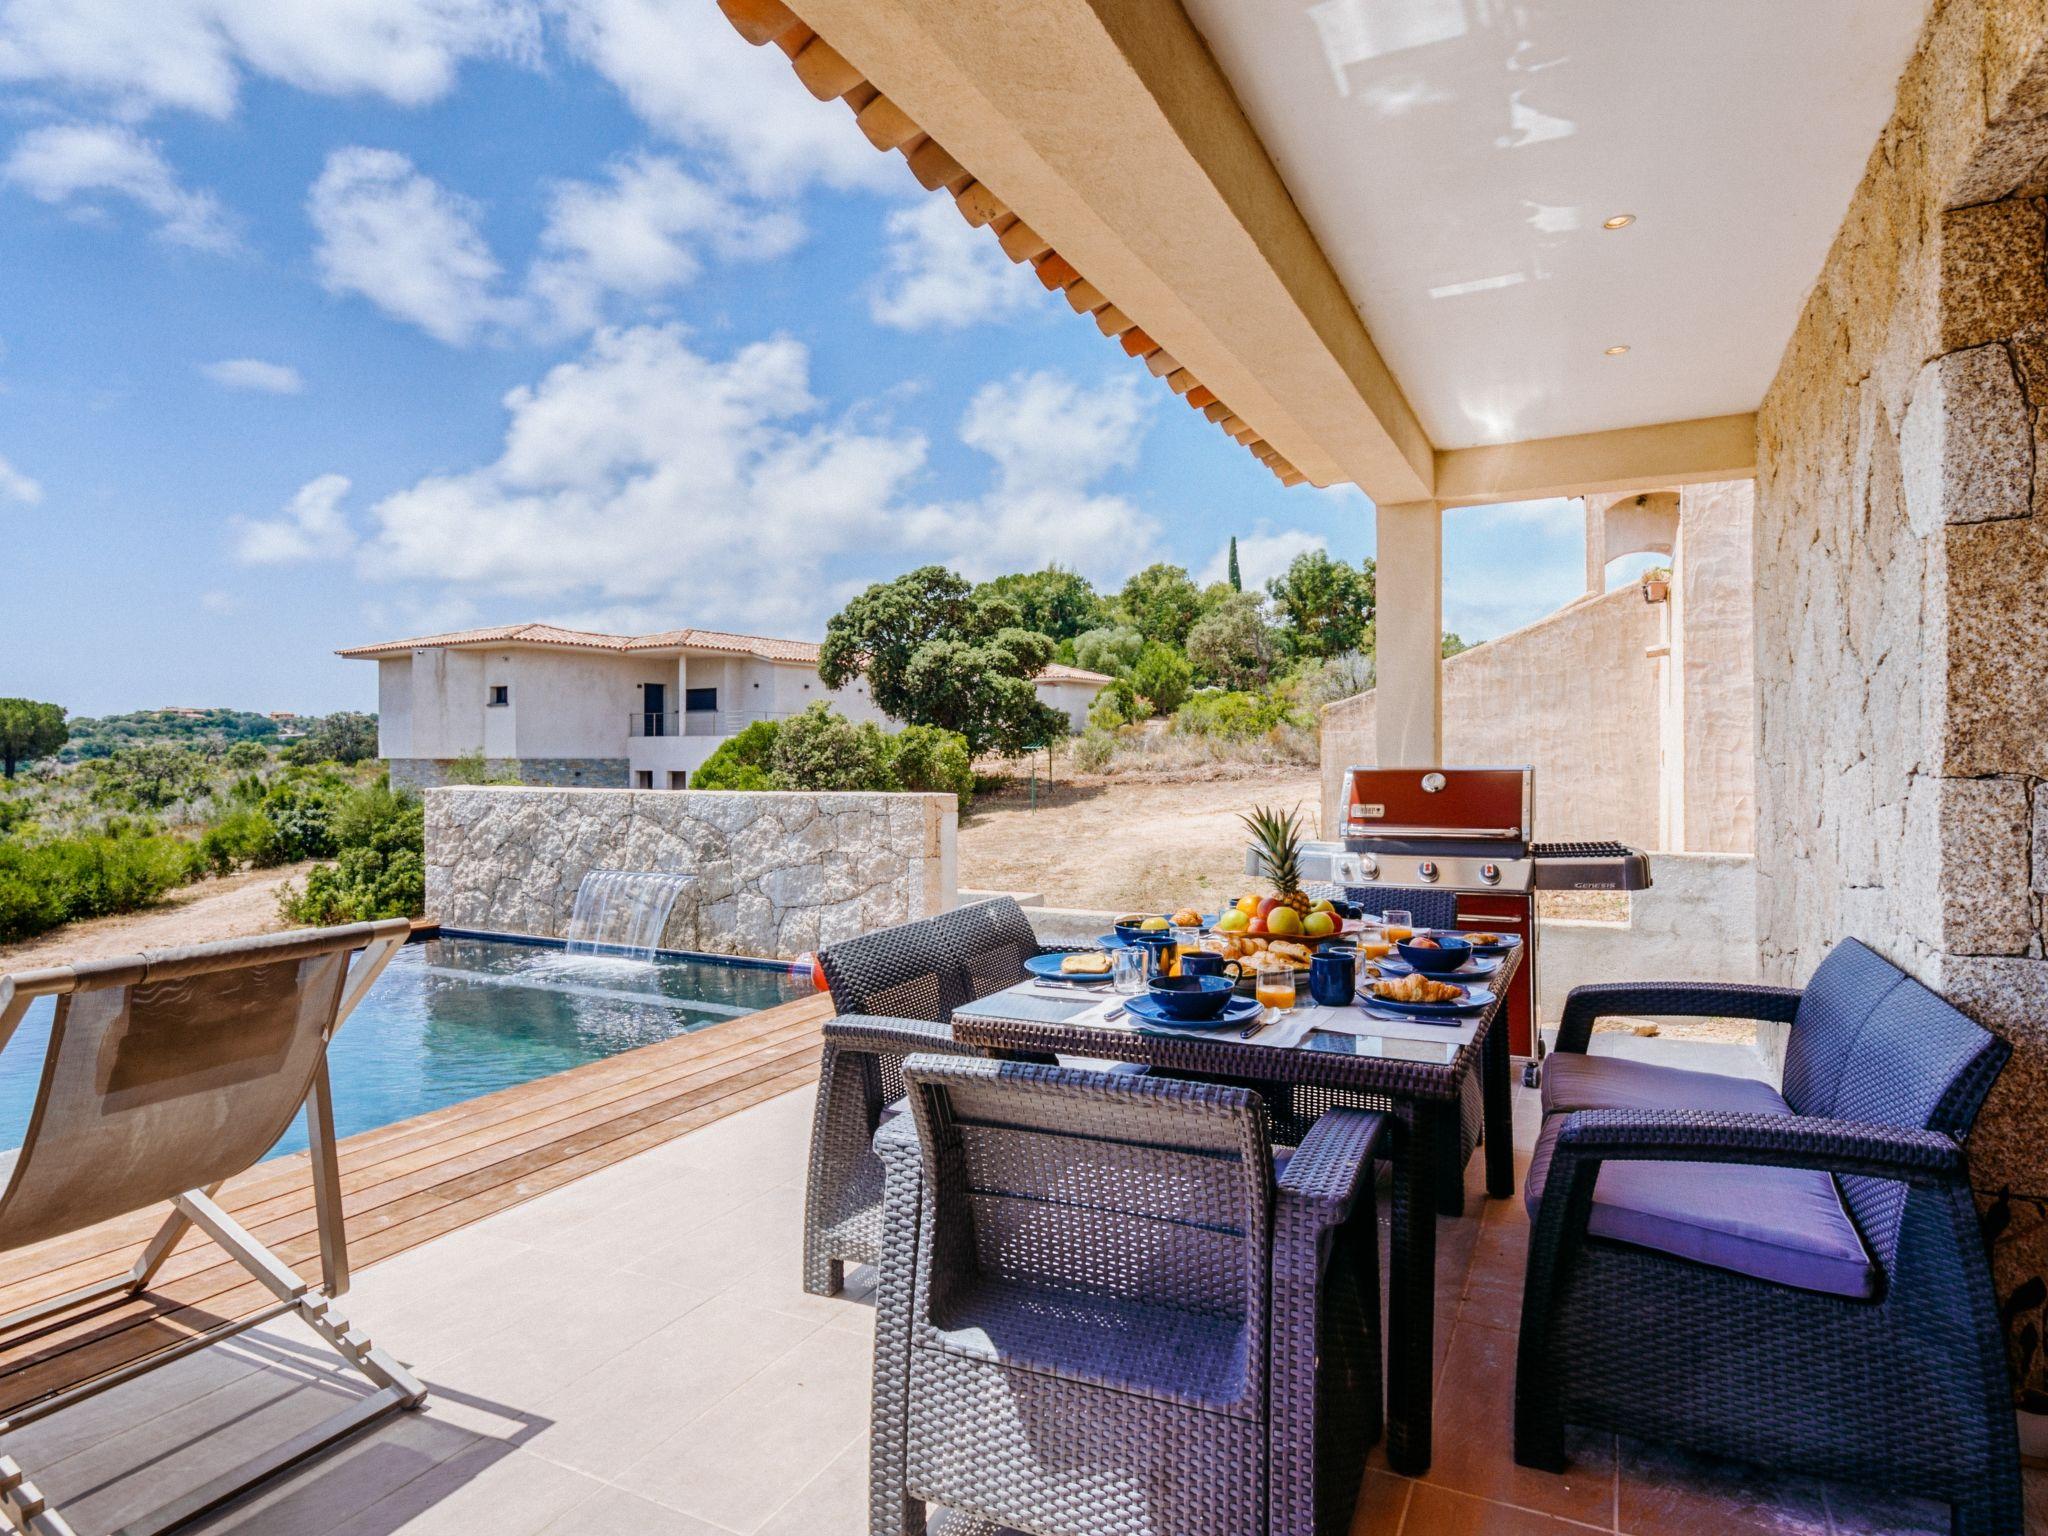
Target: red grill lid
{"x":1463,"y":803}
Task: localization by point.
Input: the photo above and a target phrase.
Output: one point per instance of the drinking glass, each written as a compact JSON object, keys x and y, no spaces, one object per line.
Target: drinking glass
{"x":1127,"y":969}
{"x":1398,"y":923}
{"x":1373,"y":942}
{"x":1275,"y":988}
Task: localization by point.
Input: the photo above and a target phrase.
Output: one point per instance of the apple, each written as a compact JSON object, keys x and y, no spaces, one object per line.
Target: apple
{"x":1268,"y":907}
{"x":1284,"y":921}
{"x":1319,"y":925}
{"x":1323,"y":906}
{"x":1257,"y":928}
{"x":1233,"y":921}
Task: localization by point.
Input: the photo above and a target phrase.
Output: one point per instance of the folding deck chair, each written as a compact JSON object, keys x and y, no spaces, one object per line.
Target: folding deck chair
{"x":167,"y":1074}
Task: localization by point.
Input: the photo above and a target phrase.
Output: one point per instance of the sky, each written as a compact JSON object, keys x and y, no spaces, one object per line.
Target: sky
{"x":332,"y":323}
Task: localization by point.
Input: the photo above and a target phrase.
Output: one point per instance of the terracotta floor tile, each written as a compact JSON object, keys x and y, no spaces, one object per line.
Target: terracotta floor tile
{"x":1473,"y":1450}
{"x":1439,"y":1512}
{"x":1382,"y":1504}
{"x":1665,"y":1491}
{"x":1493,"y":1285}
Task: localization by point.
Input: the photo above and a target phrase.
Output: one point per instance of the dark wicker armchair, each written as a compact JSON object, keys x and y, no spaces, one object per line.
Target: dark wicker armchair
{"x":1796,"y":1280}
{"x":1099,"y":1311}
{"x":894,"y":991}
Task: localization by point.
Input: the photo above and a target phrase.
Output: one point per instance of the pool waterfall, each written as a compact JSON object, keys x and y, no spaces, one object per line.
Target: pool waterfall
{"x":623,"y":911}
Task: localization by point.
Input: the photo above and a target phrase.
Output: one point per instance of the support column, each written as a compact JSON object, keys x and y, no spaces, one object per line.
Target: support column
{"x":1409,"y":712}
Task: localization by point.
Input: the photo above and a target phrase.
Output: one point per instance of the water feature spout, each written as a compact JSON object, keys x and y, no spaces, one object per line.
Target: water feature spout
{"x":623,"y":911}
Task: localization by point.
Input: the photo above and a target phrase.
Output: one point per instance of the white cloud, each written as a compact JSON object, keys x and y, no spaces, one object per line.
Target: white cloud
{"x":645,"y":475}
{"x":944,"y":272}
{"x":689,"y":75}
{"x":407,"y":244}
{"x":640,"y":234}
{"x":75,"y":163}
{"x":312,"y":528}
{"x":1052,"y":440}
{"x":217,"y":601}
{"x":254,"y":373}
{"x":1261,"y":555}
{"x":15,"y":486}
{"x":191,"y":55}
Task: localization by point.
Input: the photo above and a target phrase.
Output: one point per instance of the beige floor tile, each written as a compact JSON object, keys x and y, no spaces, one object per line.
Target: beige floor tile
{"x":1382,"y":1504}
{"x":642,"y":1398}
{"x":737,"y":1466}
{"x":492,"y":1490}
{"x":835,"y":1500}
{"x":615,"y":1512}
{"x":1439,"y":1512}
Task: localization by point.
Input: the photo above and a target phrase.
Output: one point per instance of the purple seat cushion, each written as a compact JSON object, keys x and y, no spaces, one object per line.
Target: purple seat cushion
{"x":1576,"y":1080}
{"x":1784,"y":1225}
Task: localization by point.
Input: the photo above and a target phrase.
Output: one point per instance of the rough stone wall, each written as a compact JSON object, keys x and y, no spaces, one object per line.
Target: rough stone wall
{"x":557,"y":772}
{"x":1902,"y":583}
{"x":777,"y":874}
{"x":1714,"y":649}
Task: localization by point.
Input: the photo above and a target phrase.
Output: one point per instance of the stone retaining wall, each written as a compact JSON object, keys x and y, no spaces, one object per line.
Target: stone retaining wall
{"x":554,"y":772}
{"x":777,"y":874}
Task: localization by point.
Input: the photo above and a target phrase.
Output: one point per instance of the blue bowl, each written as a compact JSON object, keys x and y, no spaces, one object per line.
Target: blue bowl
{"x":1193,"y":997}
{"x":1128,"y":930}
{"x":1440,"y":959}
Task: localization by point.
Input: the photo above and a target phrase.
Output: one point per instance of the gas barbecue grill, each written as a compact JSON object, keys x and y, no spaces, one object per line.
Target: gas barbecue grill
{"x":1453,"y":846}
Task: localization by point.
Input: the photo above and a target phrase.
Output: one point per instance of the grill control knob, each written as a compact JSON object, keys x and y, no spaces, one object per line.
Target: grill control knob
{"x":1368,"y":866}
{"x":1490,"y":873}
{"x":1426,"y":871}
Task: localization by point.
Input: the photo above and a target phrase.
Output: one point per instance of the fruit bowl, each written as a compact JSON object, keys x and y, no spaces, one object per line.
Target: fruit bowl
{"x":1440,"y":957}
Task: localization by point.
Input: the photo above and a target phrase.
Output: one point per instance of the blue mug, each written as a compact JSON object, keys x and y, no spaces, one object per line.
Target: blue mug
{"x":1333,"y":975}
{"x":1200,"y":962}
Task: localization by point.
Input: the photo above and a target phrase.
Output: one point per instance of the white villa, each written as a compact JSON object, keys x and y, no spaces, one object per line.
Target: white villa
{"x":573,"y":707}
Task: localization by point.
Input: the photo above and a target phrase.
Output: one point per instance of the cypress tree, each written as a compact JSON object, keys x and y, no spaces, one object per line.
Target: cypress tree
{"x":1236,"y":581}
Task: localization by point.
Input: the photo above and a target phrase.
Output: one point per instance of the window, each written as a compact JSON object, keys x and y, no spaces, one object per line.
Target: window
{"x":501,"y":695}
{"x":697,"y":700}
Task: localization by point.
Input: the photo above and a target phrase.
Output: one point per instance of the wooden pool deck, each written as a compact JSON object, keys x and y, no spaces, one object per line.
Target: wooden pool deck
{"x":402,"y":1185}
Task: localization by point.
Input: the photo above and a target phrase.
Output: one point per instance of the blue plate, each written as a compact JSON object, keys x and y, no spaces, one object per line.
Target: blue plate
{"x":1047,"y":967}
{"x":1239,"y":1011}
{"x":1394,"y":965}
{"x":1475,"y":999}
{"x":1110,"y":941}
{"x":1508,"y":941}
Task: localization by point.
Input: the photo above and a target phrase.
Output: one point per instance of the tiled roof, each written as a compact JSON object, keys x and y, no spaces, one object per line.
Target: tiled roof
{"x":827,"y":75}
{"x":553,"y":636}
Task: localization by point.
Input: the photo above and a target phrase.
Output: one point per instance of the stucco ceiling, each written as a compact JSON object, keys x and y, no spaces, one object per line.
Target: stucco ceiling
{"x":1456,"y":159}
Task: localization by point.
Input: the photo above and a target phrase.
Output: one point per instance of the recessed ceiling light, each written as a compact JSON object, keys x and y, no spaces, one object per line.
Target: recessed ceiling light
{"x":1616,"y":351}
{"x":1619,"y":221}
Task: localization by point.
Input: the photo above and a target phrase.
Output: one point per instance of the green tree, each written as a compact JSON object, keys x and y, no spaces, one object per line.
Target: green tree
{"x":1236,"y":580}
{"x":1054,"y":601}
{"x":29,"y":729}
{"x":935,"y":652}
{"x":152,"y":776}
{"x":1162,"y":678}
{"x":1111,"y":651}
{"x":1324,"y":606}
{"x":934,"y":761}
{"x":821,"y":749}
{"x":1162,"y":603}
{"x":344,"y":737}
{"x":745,"y":761}
{"x":1452,"y":644}
{"x":1233,"y":645}
{"x":245,"y":756}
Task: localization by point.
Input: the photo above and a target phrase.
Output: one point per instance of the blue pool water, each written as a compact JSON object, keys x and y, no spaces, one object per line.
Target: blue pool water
{"x":453,"y":1018}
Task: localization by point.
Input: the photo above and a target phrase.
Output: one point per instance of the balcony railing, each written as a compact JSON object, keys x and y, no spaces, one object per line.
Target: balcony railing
{"x":697,"y":722}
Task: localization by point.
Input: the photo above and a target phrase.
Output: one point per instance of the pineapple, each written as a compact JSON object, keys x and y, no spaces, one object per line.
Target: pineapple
{"x":1278,"y":836}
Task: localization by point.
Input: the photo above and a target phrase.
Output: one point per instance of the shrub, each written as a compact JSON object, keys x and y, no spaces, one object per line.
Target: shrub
{"x":45,"y":884}
{"x":474,"y":768}
{"x":1237,"y":716}
{"x":246,"y":756}
{"x":345,"y":737}
{"x":151,"y":777}
{"x":1107,"y":712}
{"x":742,"y":762}
{"x":821,"y":749}
{"x":1093,"y":751}
{"x":381,"y":871}
{"x":1162,"y":678}
{"x":1108,"y":650}
{"x":934,"y":760}
{"x":301,"y":815}
{"x":239,"y":840}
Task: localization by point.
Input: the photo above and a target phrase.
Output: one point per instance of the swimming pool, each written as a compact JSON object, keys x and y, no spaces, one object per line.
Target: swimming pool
{"x":453,"y":1018}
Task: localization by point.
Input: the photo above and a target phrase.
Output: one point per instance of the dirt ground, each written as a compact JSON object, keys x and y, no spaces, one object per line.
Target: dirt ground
{"x":1124,"y":842}
{"x":229,"y":908}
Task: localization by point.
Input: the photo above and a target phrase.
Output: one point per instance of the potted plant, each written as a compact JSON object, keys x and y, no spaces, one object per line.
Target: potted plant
{"x":1657,"y":585}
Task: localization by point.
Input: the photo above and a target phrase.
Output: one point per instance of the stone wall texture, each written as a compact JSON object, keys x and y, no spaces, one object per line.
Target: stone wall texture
{"x":1902,"y":583}
{"x":556,"y":772}
{"x":777,"y":874}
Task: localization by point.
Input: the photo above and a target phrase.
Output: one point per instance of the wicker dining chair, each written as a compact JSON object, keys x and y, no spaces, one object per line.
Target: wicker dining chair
{"x":1099,"y":1312}
{"x":894,"y":991}
{"x":1793,"y":1280}
{"x":165,"y":1075}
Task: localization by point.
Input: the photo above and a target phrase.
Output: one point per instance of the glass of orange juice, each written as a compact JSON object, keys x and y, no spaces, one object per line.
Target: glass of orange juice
{"x":1398,"y":924}
{"x":1275,"y":988}
{"x":1373,"y":942}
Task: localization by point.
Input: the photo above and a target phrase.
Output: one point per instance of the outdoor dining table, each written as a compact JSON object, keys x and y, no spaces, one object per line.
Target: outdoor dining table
{"x":1413,"y":1070}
